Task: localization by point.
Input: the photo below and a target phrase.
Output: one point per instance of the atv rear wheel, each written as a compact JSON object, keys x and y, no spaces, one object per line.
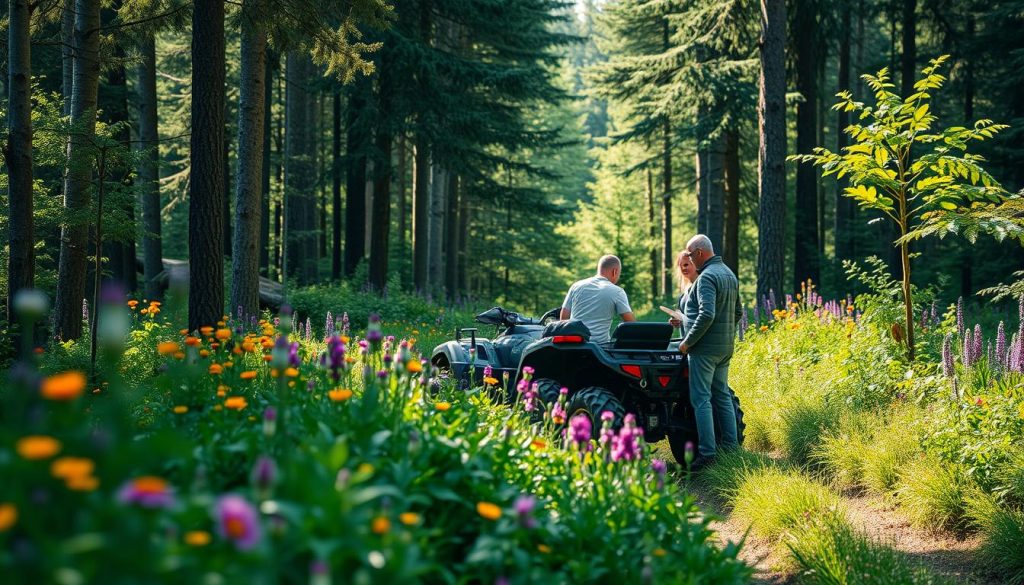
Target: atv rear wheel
{"x":592,"y":402}
{"x":547,"y":394}
{"x":678,"y":438}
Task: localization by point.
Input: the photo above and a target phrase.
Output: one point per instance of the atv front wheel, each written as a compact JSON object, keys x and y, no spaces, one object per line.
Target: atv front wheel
{"x":678,"y":438}
{"x":592,"y":402}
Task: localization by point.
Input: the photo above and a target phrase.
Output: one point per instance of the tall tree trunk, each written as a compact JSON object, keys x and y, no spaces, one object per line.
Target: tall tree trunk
{"x":226,"y":160}
{"x":771,"y":171}
{"x":67,"y":52}
{"x":438,"y":192}
{"x":966,"y":260}
{"x":806,"y":260}
{"x":716,"y":192}
{"x":381,"y":208}
{"x":700,"y":168}
{"x":336,"y":217}
{"x":355,"y":178}
{"x":270,"y":59}
{"x":321,"y":173}
{"x":149,"y":168}
{"x":652,"y":231}
{"x":908,"y":60}
{"x":844,"y":205}
{"x":666,"y":210}
{"x":278,"y":202}
{"x":299,"y":172}
{"x":421,"y":215}
{"x":18,"y":156}
{"x":464,"y":239}
{"x":403,"y":156}
{"x":731,"y":229}
{"x":245,"y":257}
{"x":452,"y":239}
{"x":113,"y":103}
{"x":71,"y":272}
{"x":206,"y":183}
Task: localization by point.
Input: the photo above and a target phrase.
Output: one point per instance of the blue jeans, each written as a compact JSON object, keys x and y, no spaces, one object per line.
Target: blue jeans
{"x":711,"y":400}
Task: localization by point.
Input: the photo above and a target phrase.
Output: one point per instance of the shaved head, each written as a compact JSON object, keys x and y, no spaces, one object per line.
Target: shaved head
{"x":699,"y":250}
{"x":607,"y":262}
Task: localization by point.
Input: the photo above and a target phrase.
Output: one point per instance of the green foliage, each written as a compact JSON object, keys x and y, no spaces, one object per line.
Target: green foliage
{"x":868,"y":449}
{"x":374,"y":478}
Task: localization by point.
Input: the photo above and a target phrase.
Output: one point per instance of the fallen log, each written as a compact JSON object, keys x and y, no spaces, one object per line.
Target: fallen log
{"x":271,"y":292}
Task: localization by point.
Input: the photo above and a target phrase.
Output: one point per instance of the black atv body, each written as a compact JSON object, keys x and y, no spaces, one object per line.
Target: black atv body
{"x":640,"y":371}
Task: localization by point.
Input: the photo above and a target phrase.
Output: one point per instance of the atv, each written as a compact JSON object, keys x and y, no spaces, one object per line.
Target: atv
{"x":640,"y":371}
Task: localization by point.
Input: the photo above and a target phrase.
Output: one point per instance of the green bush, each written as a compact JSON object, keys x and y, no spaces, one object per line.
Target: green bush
{"x":868,"y":448}
{"x":776,"y":503}
{"x":1002,"y":530}
{"x":830,"y":552}
{"x":804,"y":423}
{"x":724,"y":477}
{"x":933,"y":495}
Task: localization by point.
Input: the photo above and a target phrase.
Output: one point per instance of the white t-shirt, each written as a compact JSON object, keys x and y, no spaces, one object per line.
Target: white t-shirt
{"x":596,"y":301}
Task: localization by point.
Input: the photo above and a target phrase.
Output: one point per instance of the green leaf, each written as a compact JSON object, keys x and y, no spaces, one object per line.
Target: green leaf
{"x":921,"y":112}
{"x":947,"y":205}
{"x":881,"y":156}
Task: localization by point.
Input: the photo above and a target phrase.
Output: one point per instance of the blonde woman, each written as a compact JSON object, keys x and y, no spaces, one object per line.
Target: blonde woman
{"x":687,"y":274}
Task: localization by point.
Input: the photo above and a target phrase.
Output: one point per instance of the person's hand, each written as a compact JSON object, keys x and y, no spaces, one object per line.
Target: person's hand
{"x":683,"y":348}
{"x":675,"y":322}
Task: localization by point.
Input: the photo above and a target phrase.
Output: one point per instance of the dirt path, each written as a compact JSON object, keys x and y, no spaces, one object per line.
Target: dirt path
{"x":941,"y":553}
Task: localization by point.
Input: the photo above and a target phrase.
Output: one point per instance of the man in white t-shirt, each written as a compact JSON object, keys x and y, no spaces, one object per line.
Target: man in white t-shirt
{"x":597,"y":300}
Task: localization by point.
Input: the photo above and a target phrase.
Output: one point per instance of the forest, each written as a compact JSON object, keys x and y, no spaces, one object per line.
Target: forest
{"x":189,"y":188}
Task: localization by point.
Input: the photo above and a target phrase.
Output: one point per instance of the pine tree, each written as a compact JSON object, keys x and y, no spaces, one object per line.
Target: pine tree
{"x":771,"y":159}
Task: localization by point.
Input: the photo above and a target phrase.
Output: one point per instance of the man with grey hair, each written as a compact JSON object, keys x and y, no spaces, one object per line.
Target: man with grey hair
{"x":710,"y":310}
{"x":596,"y":300}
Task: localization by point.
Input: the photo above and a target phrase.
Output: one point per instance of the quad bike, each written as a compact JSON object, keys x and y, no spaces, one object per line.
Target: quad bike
{"x":640,"y":371}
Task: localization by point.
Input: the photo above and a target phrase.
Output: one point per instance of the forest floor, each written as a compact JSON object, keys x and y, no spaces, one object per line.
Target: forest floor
{"x":942,"y":553}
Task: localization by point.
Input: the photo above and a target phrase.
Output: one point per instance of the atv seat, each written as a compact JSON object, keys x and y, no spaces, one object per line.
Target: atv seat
{"x":640,"y":335}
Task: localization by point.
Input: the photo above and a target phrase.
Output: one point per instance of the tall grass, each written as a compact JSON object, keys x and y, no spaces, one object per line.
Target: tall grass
{"x":777,"y":502}
{"x":933,"y":495}
{"x":867,"y":449}
{"x":1002,"y":529}
{"x":832,"y":553}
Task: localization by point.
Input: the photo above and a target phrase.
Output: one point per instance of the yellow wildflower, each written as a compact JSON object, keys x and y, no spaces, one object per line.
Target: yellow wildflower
{"x":409,"y":518}
{"x":180,"y":409}
{"x":8,"y":516}
{"x":197,"y":538}
{"x":442,"y":406}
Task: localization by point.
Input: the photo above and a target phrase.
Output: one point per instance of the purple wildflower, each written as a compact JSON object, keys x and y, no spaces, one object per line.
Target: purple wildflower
{"x":579,"y":431}
{"x":659,"y":468}
{"x":309,"y":329}
{"x":960,"y":316}
{"x":146,"y":492}
{"x":976,"y":350}
{"x":558,"y":413}
{"x":344,"y":323}
{"x":947,"y":356}
{"x":334,"y":357}
{"x":264,"y":475}
{"x":1001,"y":347}
{"x":269,"y":421}
{"x":488,"y":371}
{"x":524,"y":506}
{"x":965,"y":355}
{"x":329,"y":325}
{"x":625,"y":445}
{"x":238,"y":521}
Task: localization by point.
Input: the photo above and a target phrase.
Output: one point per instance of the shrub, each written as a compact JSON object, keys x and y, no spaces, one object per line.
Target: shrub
{"x":804,"y":424}
{"x":933,"y":494}
{"x":1002,"y":529}
{"x":777,"y":502}
{"x":830,"y":552}
{"x":724,"y":477}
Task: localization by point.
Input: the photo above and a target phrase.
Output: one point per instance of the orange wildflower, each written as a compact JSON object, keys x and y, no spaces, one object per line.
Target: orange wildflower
{"x":414,"y":366}
{"x":339,"y":394}
{"x":65,"y":386}
{"x":8,"y":516}
{"x":223,"y":334}
{"x":167,"y":347}
{"x":180,"y":409}
{"x":236,"y":402}
{"x":206,"y":331}
{"x":69,"y":467}
{"x":409,"y":518}
{"x":192,"y":341}
{"x":381,"y":525}
{"x":82,"y":483}
{"x":248,"y":346}
{"x":488,"y":510}
{"x":35,"y":447}
{"x":204,"y":353}
{"x":216,"y":369}
{"x":248,"y":375}
{"x":442,"y":406}
{"x":197,"y":538}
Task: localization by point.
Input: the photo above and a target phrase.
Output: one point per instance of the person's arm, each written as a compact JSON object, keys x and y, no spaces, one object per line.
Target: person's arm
{"x":622,"y":306}
{"x":628,"y":317}
{"x":565,"y":313}
{"x":706,"y":294}
{"x":739,"y":308}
